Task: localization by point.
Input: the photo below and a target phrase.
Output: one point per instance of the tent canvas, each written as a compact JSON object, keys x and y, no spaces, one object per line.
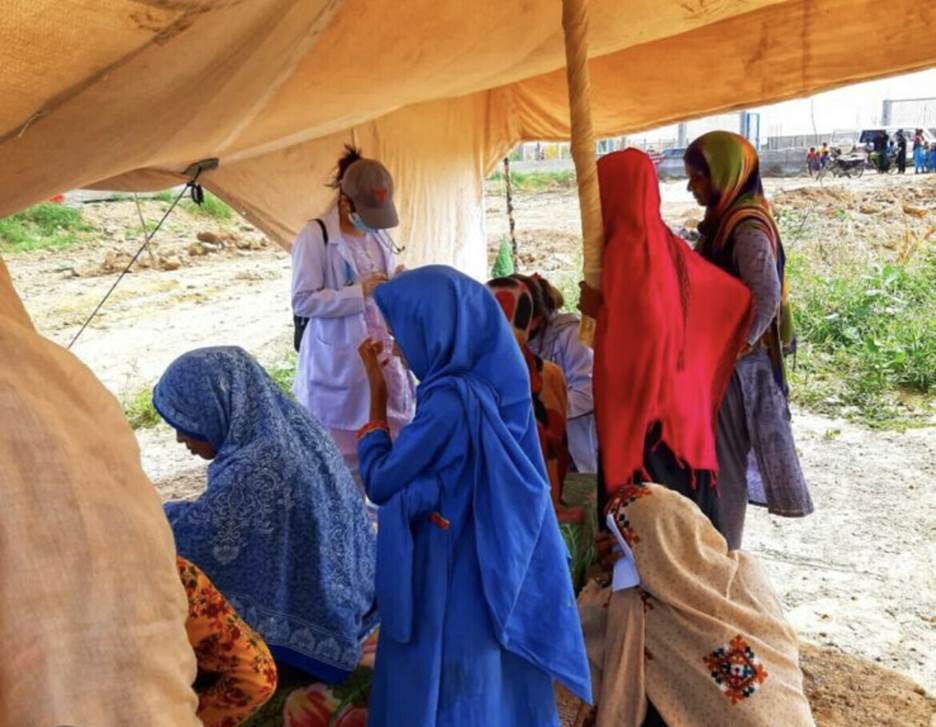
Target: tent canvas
{"x":126,"y":94}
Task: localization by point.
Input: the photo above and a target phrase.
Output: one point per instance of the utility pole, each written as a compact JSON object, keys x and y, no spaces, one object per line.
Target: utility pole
{"x":682,"y":135}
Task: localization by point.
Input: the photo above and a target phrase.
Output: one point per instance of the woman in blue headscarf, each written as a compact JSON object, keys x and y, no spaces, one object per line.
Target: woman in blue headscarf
{"x":478,"y":614}
{"x":281,"y":529}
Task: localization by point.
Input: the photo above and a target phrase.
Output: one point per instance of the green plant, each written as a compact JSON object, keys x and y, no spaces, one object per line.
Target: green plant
{"x":868,"y":340}
{"x":583,"y":553}
{"x":167,"y":195}
{"x":211,"y":207}
{"x":47,"y":225}
{"x":534,"y":182}
{"x":138,"y":408}
{"x":503,"y":263}
{"x":284,"y":372}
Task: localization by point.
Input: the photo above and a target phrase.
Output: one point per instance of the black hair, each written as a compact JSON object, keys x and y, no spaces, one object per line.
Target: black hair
{"x":351,"y":155}
{"x":553,"y":298}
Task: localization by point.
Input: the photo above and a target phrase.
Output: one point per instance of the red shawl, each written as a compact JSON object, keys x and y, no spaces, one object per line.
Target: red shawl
{"x":668,"y":332}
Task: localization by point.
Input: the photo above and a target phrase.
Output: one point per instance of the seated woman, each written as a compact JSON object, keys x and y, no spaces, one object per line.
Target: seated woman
{"x":669,"y":328}
{"x":555,"y":337}
{"x":281,"y":528}
{"x":478,"y":614}
{"x":701,"y":641}
{"x":236,"y":674}
{"x":547,"y":384}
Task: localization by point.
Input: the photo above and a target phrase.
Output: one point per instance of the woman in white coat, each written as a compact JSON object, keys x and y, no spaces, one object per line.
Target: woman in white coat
{"x":338,"y":261}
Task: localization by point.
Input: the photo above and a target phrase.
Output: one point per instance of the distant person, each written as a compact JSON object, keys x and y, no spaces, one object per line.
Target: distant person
{"x":824,"y":155}
{"x":338,"y":261}
{"x":880,"y":148}
{"x":919,"y":156}
{"x":932,"y":157}
{"x":280,"y":529}
{"x":812,"y":161}
{"x":757,"y":457}
{"x":901,"y":152}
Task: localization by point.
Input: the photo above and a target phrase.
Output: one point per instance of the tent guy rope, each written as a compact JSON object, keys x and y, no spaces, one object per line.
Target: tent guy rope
{"x":198,"y":197}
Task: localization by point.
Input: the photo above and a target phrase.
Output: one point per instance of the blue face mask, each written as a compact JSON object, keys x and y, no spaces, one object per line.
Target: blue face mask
{"x":359,"y":223}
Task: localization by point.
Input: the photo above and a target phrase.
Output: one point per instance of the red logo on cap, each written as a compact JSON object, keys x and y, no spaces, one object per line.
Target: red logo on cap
{"x":381,"y":194}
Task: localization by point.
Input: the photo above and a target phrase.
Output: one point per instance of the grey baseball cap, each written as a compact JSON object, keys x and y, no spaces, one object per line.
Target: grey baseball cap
{"x":369,"y":185}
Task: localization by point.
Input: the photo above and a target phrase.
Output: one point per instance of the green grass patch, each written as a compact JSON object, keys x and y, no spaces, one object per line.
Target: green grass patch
{"x":284,"y":372}
{"x":138,"y":408}
{"x":534,"y":182}
{"x":212,"y":208}
{"x":582,"y":552}
{"x":867,"y":340}
{"x":47,"y":225}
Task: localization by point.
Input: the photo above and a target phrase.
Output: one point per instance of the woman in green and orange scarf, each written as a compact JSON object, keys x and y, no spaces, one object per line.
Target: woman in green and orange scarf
{"x":740,"y":235}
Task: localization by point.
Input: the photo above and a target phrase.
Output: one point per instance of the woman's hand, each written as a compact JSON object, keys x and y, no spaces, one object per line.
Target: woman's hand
{"x":590,"y":300}
{"x":607,"y":551}
{"x":369,"y":283}
{"x":371,"y":353}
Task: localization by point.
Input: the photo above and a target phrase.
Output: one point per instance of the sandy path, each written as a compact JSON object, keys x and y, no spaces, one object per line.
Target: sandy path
{"x":155,"y":316}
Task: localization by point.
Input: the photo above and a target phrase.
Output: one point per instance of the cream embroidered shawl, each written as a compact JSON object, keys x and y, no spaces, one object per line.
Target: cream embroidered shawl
{"x":704,"y":637}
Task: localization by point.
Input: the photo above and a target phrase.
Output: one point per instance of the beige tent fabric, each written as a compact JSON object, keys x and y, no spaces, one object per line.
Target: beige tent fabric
{"x":130,"y":92}
{"x":92,"y":611}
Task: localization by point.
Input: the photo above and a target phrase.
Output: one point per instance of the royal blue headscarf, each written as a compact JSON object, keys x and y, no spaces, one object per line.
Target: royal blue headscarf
{"x":453,"y":335}
{"x":281,"y":529}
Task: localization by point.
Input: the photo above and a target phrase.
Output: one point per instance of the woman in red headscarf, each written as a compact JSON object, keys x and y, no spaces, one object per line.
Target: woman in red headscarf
{"x":669,"y":328}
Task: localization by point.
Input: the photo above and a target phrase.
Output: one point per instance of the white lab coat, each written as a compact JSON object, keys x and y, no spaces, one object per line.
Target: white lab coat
{"x":330,"y":380}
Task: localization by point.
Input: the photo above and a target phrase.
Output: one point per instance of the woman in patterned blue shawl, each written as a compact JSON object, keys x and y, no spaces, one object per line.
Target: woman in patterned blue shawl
{"x":281,"y":529}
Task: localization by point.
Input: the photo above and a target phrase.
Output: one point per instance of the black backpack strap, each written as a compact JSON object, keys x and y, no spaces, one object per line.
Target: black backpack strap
{"x":299,"y":322}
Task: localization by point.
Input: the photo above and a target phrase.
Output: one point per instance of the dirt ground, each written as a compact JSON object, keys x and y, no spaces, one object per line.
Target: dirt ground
{"x":858,"y":578}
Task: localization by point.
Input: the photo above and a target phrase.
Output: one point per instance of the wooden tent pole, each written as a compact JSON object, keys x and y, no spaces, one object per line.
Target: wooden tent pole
{"x":575,"y":29}
{"x":514,"y":252}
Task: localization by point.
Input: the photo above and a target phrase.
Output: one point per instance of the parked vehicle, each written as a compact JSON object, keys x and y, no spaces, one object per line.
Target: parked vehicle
{"x":844,"y":165}
{"x":670,"y":164}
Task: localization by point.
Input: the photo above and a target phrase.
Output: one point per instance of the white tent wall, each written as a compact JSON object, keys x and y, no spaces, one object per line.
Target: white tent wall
{"x":439,"y":153}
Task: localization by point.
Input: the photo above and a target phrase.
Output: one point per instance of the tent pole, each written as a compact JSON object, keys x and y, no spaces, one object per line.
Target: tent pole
{"x":575,"y":30}
{"x":514,"y":252}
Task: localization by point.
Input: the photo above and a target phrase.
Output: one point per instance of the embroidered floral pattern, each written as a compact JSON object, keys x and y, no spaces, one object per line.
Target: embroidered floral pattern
{"x":627,"y":531}
{"x":736,"y":670}
{"x":631,"y":492}
{"x":320,"y":705}
{"x":647,"y":600}
{"x":225,"y":645}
